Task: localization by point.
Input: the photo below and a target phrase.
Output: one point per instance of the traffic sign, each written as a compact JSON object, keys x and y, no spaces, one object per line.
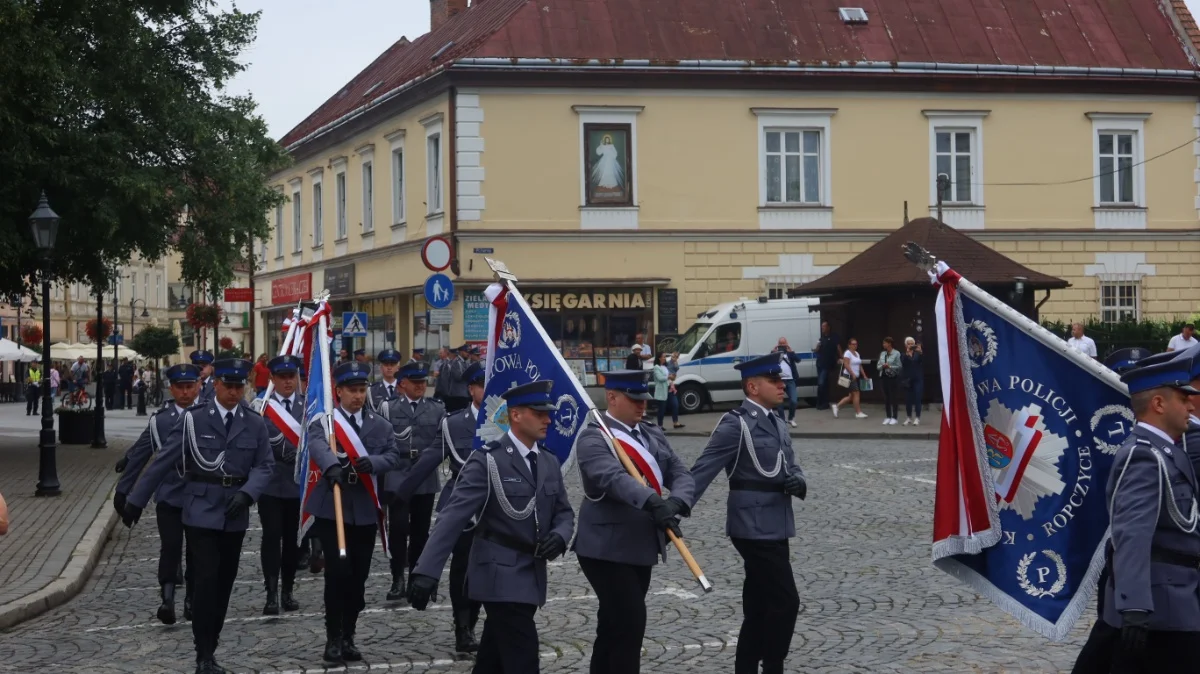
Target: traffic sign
{"x":439,"y":291}
{"x":441,"y":316}
{"x":354,"y":324}
{"x":436,"y":253}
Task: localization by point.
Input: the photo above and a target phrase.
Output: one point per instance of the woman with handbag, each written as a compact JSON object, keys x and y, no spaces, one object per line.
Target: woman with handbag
{"x":913,"y":373}
{"x":851,"y":378}
{"x":889,"y":376}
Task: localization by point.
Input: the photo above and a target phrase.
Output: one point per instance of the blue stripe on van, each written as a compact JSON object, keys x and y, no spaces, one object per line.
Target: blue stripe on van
{"x":716,"y":360}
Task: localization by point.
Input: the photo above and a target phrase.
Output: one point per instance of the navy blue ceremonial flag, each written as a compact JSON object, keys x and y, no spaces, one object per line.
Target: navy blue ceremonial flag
{"x":520,"y":352}
{"x":1029,"y":431}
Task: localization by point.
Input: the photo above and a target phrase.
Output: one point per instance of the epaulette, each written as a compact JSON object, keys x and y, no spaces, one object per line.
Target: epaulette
{"x":197,"y":406}
{"x":737,"y":411}
{"x":494,"y":444}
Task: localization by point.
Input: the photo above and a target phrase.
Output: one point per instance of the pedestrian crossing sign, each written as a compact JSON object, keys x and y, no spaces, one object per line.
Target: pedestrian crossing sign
{"x":354,"y":324}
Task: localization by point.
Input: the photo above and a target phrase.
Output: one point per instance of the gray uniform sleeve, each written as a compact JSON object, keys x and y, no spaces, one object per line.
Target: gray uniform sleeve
{"x":563,"y":521}
{"x":263,"y":466}
{"x":468,"y":498}
{"x":1135,"y":506}
{"x":389,"y":459}
{"x":721,"y":452}
{"x":156,"y":472}
{"x":604,"y":471}
{"x":137,"y":456}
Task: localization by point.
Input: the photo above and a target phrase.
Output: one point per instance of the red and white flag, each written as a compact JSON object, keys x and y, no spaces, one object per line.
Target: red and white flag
{"x":641,"y":457}
{"x":349,"y":442}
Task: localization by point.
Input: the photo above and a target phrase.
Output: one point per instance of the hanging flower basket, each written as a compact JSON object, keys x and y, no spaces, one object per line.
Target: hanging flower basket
{"x":226,"y":343}
{"x":31,"y":334}
{"x":203,"y":315}
{"x":98,"y":336}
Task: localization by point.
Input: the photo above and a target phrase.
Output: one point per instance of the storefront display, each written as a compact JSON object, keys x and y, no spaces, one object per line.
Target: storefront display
{"x":594,"y":329}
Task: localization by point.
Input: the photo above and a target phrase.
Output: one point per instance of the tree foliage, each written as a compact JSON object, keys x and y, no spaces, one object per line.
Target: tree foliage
{"x":155,"y":342}
{"x":115,"y":109}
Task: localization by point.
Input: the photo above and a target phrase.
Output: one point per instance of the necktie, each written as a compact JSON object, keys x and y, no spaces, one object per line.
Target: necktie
{"x":414,"y":409}
{"x":228,"y":422}
{"x":391,"y":390}
{"x":532,"y":457}
{"x":633,"y":433}
{"x":354,"y":424}
{"x":287,"y":404}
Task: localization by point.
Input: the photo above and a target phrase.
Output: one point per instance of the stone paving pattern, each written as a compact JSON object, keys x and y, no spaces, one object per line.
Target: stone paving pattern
{"x":870,"y":600}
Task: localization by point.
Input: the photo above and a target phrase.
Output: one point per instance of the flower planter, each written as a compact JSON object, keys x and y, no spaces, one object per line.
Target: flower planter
{"x":76,"y":427}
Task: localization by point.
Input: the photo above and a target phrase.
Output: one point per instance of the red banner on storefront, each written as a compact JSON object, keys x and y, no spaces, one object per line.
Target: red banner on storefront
{"x":239,"y":294}
{"x":291,"y":289}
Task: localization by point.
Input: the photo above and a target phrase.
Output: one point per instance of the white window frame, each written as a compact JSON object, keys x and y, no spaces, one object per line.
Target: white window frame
{"x":158,"y":287}
{"x":796,"y":119}
{"x":398,"y":176}
{"x":435,"y":180}
{"x":146,"y":286}
{"x":1135,"y":283}
{"x":953,"y":121}
{"x":318,"y":214}
{"x":366,"y":155}
{"x":278,"y":231}
{"x":339,"y":180}
{"x":297,"y":186}
{"x":1112,"y":122}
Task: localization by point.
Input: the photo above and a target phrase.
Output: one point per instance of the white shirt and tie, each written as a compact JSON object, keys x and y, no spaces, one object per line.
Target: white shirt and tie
{"x":286,"y":402}
{"x":527,"y":453}
{"x":390,"y":386}
{"x":226,"y":416}
{"x":354,"y":419}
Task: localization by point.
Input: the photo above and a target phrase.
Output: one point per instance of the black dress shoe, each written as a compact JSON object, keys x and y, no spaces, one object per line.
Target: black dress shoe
{"x":305,"y":555}
{"x":350,"y":652}
{"x":333,"y":650}
{"x":187,"y":606}
{"x":166,"y":611}
{"x":272,"y":605}
{"x":288,"y":602}
{"x":397,"y":591}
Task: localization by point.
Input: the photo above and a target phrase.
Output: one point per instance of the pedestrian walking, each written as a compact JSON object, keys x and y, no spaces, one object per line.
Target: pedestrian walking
{"x":225,"y":471}
{"x":109,"y":382}
{"x":851,"y":379}
{"x":622,"y":522}
{"x":125,"y":375}
{"x":55,"y":381}
{"x":520,"y":529}
{"x":666,"y":398}
{"x":346,"y":579}
{"x":165,"y":431}
{"x":827,"y":350}
{"x":790,"y":375}
{"x":417,"y":422}
{"x":385,"y":389}
{"x":889,"y":379}
{"x":754,"y":448}
{"x":279,"y":505}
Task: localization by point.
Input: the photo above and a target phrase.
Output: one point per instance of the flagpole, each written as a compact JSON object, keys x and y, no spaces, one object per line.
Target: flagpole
{"x":283,"y":351}
{"x":326,"y":386}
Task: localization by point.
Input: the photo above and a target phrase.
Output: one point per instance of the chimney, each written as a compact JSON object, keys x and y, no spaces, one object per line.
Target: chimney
{"x":441,"y":10}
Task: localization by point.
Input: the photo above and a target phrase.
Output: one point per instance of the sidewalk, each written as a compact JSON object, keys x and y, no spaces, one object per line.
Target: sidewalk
{"x":813,"y":423}
{"x":52,"y":543}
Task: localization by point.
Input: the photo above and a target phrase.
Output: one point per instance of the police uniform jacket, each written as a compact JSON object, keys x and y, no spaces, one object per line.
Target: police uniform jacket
{"x":450,"y":373}
{"x":207,"y":391}
{"x":612,"y":524}
{"x":283,"y":476}
{"x":1143,"y":533}
{"x":247,"y":455}
{"x":1191,"y":443}
{"x":168,"y":430}
{"x":357,"y":507}
{"x":378,"y":393}
{"x":501,"y":571}
{"x":415,"y":430}
{"x":458,"y":440}
{"x":757,"y":508}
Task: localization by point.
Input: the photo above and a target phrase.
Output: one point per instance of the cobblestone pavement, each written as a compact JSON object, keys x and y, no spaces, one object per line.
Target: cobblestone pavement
{"x":871,"y":602}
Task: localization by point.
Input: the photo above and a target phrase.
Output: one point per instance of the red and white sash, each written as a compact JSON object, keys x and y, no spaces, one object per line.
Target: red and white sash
{"x":646,"y":464}
{"x":283,"y":420}
{"x":352,"y":445}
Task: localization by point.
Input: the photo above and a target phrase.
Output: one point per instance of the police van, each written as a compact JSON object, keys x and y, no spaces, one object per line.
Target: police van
{"x":729,"y":333}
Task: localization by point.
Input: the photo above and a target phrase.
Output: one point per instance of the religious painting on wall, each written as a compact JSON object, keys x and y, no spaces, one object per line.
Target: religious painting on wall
{"x":608,"y":159}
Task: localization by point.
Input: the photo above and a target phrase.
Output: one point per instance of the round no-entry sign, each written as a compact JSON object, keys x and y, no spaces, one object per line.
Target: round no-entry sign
{"x":436,"y":253}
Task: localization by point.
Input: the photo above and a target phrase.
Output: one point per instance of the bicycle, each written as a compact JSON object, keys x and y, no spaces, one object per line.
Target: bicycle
{"x":77,"y":399}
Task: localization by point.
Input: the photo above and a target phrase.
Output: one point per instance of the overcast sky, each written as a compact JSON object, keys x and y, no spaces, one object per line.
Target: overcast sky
{"x":308,"y":49}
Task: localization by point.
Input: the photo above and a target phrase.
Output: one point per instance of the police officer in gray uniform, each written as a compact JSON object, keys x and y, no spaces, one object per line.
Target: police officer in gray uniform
{"x":754,"y":449}
{"x":523,"y":523}
{"x":226,"y":455}
{"x":622,"y":522}
{"x":164,"y":430}
{"x":346,"y":579}
{"x":204,"y":360}
{"x":279,"y":506}
{"x":388,"y":386}
{"x":417,"y":421}
{"x":458,"y":439}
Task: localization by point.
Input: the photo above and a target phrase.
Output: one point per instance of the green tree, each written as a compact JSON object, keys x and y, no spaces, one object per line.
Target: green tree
{"x":155,"y":342}
{"x":116,"y":109}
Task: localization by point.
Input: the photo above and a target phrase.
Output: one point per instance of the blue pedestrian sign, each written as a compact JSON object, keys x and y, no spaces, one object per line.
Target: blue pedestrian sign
{"x":439,"y":291}
{"x":354,"y":324}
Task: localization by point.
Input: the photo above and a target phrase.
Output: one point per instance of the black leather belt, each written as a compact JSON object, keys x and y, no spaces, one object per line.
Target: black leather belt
{"x":506,"y":540}
{"x":223,"y":480}
{"x":756,"y":485}
{"x":1174,"y":557}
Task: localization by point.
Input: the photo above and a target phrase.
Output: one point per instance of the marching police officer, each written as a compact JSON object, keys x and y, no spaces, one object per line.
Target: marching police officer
{"x":754,"y":449}
{"x":226,"y":455}
{"x":388,"y":386}
{"x":1151,"y":609}
{"x":622,"y":522}
{"x":164,"y":430}
{"x":279,"y":506}
{"x":458,"y":439}
{"x":524,"y":521}
{"x":204,"y":360}
{"x":346,"y":579}
{"x":417,"y":421}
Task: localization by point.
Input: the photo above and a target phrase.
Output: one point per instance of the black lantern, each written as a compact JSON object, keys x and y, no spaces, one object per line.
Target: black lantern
{"x":44,"y":225}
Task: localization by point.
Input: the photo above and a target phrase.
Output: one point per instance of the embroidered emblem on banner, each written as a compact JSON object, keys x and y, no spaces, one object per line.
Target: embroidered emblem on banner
{"x":1110,"y":425}
{"x":981,"y":343}
{"x":495,"y":422}
{"x":1024,"y":456}
{"x":566,"y":418}
{"x":510,"y":332}
{"x":1035,"y":587}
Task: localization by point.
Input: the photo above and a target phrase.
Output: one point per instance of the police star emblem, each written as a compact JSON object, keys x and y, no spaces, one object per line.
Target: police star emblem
{"x":1024,"y":456}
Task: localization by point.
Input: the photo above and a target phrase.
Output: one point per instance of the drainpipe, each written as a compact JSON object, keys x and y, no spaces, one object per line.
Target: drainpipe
{"x":452,"y":173}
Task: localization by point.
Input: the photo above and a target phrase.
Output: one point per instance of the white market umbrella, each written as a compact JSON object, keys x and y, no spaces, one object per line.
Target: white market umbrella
{"x":63,"y":351}
{"x":10,"y":351}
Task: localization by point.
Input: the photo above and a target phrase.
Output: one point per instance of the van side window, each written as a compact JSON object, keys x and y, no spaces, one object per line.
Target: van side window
{"x":724,"y":339}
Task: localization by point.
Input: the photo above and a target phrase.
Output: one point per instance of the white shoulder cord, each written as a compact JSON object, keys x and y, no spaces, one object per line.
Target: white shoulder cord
{"x":502,"y":499}
{"x":189,"y":433}
{"x":579,"y":466}
{"x":1186,"y":524}
{"x":448,"y":443}
{"x":477,"y":517}
{"x":754,"y":455}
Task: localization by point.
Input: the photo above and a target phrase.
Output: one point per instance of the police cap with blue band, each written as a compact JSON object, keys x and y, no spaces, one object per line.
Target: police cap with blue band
{"x":389,"y":357}
{"x":535,"y":395}
{"x":360,"y":352}
{"x":232,"y":370}
{"x":351,"y":373}
{"x":762,"y":366}
{"x":630,"y":382}
{"x":201,"y":357}
{"x":413,"y":371}
{"x":1173,"y":372}
{"x":184,"y":373}
{"x":474,"y":374}
{"x":284,"y":364}
{"x":1122,"y":359}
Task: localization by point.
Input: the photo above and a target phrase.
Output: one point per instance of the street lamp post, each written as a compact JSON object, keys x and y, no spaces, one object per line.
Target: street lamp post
{"x":132,"y":306}
{"x":98,"y":439}
{"x":44,"y":225}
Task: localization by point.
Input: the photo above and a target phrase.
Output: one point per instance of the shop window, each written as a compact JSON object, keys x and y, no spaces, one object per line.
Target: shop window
{"x":724,"y":339}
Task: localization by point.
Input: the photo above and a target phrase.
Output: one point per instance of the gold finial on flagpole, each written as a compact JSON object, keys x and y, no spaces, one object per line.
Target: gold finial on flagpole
{"x":501,"y":270}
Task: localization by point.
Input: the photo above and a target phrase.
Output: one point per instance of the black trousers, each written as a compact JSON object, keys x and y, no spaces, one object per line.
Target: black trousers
{"x":170,"y":544}
{"x":458,"y":576}
{"x":345,"y":579}
{"x":408,"y":530}
{"x":621,"y":618}
{"x":110,"y":393}
{"x":1165,"y":652}
{"x":891,"y":396}
{"x":509,"y":644}
{"x":33,"y":396}
{"x":280,"y":518}
{"x":126,"y":393}
{"x":215,"y":556}
{"x":770,"y":604}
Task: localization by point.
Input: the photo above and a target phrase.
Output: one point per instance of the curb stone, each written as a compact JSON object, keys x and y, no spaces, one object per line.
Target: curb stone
{"x":74,"y":575}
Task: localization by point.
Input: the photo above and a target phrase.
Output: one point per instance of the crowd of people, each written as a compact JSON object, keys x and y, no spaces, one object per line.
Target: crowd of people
{"x":70,"y":381}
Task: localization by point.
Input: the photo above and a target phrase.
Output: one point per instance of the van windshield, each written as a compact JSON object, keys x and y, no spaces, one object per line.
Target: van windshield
{"x":689,"y":339}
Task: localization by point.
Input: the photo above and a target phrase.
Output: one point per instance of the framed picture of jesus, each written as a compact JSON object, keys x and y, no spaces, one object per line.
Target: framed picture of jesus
{"x":608,"y":173}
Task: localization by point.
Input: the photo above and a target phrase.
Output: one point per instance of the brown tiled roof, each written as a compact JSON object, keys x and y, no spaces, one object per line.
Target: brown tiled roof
{"x":1187,"y":21}
{"x":1136,"y":34}
{"x":884,"y":264}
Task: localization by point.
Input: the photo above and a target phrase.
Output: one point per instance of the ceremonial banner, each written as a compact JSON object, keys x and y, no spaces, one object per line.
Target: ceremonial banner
{"x":519,"y":352}
{"x":1027,"y":439}
{"x":308,"y":473}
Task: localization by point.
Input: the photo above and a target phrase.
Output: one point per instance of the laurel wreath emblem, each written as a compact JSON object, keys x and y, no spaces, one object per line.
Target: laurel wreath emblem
{"x":989,"y":336}
{"x":1125,"y":412}
{"x":1033,"y":590}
